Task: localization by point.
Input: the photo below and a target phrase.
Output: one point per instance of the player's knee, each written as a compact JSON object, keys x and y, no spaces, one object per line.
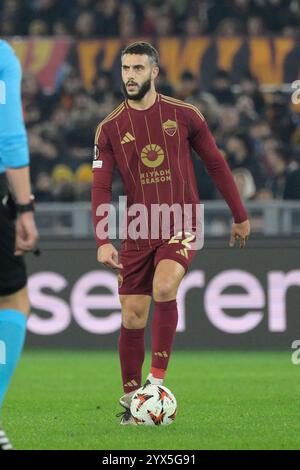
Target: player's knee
{"x":129,"y":321}
{"x":164,"y":290}
{"x":135,"y":311}
{"x":132,"y":320}
{"x":134,"y":315}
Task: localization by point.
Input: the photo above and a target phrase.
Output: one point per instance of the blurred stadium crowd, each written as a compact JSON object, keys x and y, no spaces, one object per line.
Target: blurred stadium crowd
{"x":129,"y":18}
{"x":259,"y":133}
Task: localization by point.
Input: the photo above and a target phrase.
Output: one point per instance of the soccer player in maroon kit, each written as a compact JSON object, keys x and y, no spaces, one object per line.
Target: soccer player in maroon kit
{"x":149,"y":138}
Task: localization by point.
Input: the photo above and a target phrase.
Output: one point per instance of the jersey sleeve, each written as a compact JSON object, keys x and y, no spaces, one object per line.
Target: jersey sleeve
{"x":103,"y":167}
{"x":203,"y":142}
{"x":13,"y":138}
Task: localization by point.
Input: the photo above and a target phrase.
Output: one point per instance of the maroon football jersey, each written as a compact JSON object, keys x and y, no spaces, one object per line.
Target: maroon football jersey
{"x":152,"y":150}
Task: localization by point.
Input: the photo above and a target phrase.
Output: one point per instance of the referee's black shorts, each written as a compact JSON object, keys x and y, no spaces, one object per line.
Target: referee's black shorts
{"x":13,"y":275}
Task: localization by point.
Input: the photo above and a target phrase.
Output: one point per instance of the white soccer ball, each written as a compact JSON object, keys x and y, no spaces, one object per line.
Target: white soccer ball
{"x":153,"y":405}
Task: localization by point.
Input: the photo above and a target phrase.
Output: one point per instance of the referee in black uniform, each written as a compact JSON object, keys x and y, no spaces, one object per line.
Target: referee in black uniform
{"x":18,"y":232}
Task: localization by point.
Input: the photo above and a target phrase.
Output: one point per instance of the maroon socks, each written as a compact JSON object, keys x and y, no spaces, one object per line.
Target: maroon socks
{"x":132,"y":354}
{"x":132,"y":347}
{"x":164,"y":325}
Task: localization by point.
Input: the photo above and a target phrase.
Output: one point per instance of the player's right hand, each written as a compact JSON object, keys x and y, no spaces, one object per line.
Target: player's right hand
{"x":240,"y":231}
{"x":108,"y":255}
{"x":26,"y":233}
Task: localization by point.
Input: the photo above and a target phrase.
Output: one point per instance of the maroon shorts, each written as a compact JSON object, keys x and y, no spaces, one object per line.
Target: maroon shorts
{"x":139,"y":264}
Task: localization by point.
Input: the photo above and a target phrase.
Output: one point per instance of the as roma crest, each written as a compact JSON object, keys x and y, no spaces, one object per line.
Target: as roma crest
{"x":170,"y":127}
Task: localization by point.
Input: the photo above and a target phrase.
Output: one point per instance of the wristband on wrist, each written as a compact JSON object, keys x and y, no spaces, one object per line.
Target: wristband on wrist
{"x":29,"y":207}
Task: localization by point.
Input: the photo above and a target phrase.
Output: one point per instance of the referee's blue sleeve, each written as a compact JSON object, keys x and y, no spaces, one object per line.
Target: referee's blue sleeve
{"x":13,"y":138}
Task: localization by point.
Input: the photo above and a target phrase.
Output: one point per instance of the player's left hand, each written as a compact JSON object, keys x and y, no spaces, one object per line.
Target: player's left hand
{"x":26,"y":233}
{"x":240,"y":232}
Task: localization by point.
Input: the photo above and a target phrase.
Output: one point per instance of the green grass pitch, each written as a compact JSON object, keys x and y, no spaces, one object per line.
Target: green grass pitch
{"x":226,"y":400}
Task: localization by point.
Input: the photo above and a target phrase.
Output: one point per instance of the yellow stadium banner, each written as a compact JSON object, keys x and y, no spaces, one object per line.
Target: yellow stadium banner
{"x":43,"y":57}
{"x":273,"y":60}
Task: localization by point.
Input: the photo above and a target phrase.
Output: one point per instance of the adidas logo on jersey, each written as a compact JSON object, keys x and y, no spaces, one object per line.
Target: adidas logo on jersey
{"x":127,"y":138}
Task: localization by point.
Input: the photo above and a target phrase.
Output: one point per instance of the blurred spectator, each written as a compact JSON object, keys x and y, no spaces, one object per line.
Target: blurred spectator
{"x":188,"y":86}
{"x":240,"y":154}
{"x":38,"y":28}
{"x":85,"y":26}
{"x":83,"y":181}
{"x":249,"y":86}
{"x":245,"y":183}
{"x":277,"y":168}
{"x":162,"y":83}
{"x":221,"y":88}
{"x":258,"y":131}
{"x":208,"y":106}
{"x":107,"y":18}
{"x":61,"y":28}
{"x":275,"y":13}
{"x":280,"y":117}
{"x":229,"y":27}
{"x":150,"y":14}
{"x":127,"y":13}
{"x":228,"y":123}
{"x":241,"y":9}
{"x":71,"y":85}
{"x":83,"y":5}
{"x":270,"y":144}
{"x":62,"y":180}
{"x":264,"y":195}
{"x":37,"y":105}
{"x":43,"y":188}
{"x":255,"y":26}
{"x":193,"y":27}
{"x":43,"y":151}
{"x":127,"y":29}
{"x":245,"y":107}
{"x":164,"y":25}
{"x":292,"y":184}
{"x":217,"y":11}
{"x":101,"y":85}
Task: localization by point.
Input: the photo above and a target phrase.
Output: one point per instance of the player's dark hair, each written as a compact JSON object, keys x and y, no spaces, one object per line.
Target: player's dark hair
{"x":143,"y":48}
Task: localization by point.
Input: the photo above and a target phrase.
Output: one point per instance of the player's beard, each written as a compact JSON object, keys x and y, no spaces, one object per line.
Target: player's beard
{"x":142,"y":91}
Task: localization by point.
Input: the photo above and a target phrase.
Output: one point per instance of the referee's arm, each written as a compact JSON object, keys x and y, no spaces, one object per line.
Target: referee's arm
{"x":14,"y":152}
